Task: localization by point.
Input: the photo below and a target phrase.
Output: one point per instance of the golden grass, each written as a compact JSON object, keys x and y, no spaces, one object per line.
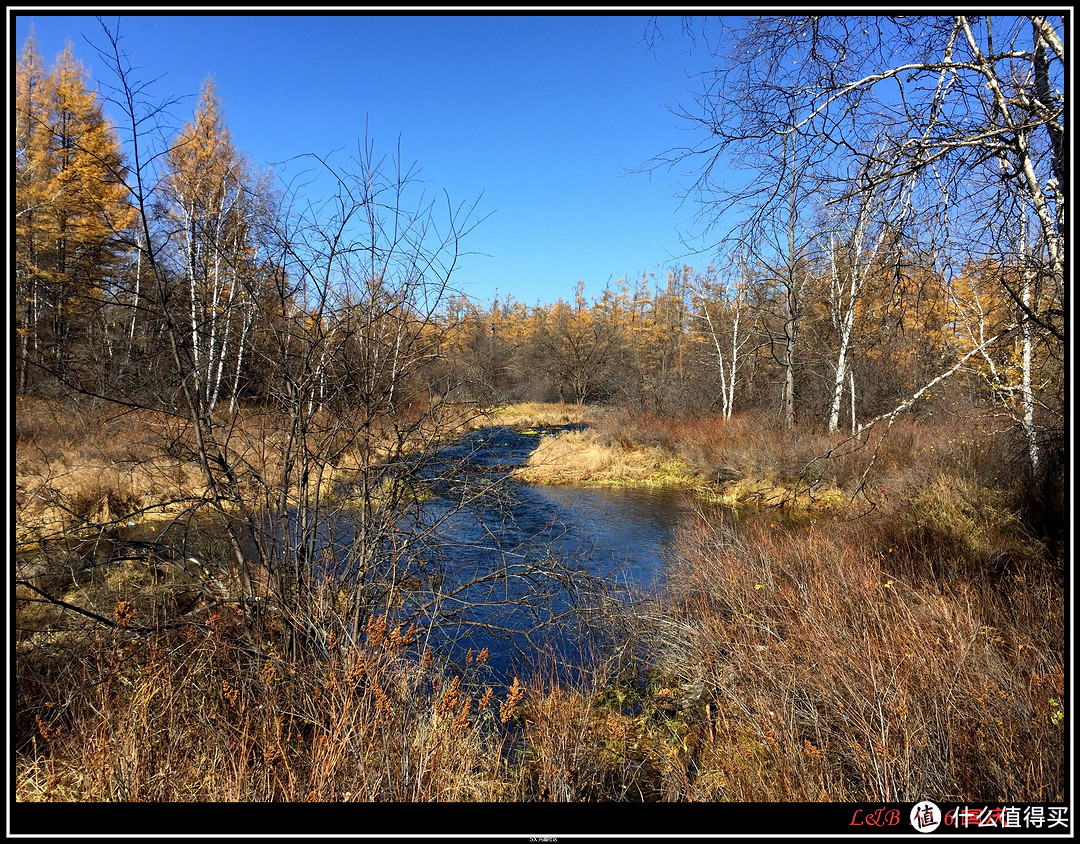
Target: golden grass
{"x":543,"y":414}
{"x":578,"y":457}
{"x":711,"y":458}
{"x":77,"y":468}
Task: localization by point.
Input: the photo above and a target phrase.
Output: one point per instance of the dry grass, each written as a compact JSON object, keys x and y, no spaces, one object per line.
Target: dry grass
{"x":606,"y":736}
{"x":187,"y":715}
{"x":543,"y":415}
{"x":915,"y":650}
{"x":736,"y":461}
{"x":89,"y":468}
{"x":85,"y":467}
{"x":579,"y":457}
{"x":744,"y":462}
{"x":838,"y":668}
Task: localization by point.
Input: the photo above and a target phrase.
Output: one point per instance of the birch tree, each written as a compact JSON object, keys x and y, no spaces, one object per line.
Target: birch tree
{"x":964,"y":114}
{"x":1021,"y":375}
{"x":724,"y":312}
{"x":210,"y":196}
{"x":856,"y":239}
{"x":941,"y":99}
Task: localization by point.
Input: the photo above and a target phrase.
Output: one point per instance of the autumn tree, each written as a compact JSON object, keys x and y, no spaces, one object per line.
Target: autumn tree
{"x":72,"y":216}
{"x":481,"y":345}
{"x":1023,"y":375}
{"x":576,"y":345}
{"x":211,"y":198}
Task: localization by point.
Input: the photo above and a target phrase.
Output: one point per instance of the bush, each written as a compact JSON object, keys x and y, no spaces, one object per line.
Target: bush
{"x":832,"y":676}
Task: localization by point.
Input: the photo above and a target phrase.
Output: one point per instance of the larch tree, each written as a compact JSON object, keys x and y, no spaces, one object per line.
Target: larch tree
{"x":72,"y":215}
{"x":32,"y":176}
{"x":210,"y":197}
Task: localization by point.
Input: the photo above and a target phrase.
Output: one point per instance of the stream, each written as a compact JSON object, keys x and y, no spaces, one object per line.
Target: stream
{"x":518,"y":559}
{"x":492,"y":562}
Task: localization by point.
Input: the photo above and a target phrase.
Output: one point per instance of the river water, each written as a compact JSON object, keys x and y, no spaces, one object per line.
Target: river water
{"x":524,"y":565}
{"x":516,"y":568}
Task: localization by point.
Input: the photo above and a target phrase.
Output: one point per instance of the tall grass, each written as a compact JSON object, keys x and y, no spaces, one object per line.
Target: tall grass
{"x":187,"y":715}
{"x":906,"y":641}
{"x":838,"y":667}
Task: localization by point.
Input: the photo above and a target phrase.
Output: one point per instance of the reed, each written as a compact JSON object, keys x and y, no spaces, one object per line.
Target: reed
{"x":909,"y":641}
{"x":837,"y":667}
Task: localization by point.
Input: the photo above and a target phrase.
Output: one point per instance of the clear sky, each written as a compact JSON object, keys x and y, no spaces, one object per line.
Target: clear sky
{"x":538,"y":116}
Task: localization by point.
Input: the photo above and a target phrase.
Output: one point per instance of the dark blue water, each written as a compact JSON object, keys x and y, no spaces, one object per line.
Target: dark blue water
{"x":526,"y":570}
{"x":529,"y":572}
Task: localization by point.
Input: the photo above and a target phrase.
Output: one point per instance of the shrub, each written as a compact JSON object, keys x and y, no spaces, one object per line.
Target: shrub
{"x":830,"y":676}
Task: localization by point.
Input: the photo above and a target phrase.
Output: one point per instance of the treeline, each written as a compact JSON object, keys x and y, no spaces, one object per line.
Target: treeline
{"x":127,"y":288}
{"x":714,"y":342}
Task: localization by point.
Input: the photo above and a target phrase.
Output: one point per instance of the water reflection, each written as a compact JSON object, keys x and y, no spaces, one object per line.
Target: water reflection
{"x":518,"y":562}
{"x":625,"y":532}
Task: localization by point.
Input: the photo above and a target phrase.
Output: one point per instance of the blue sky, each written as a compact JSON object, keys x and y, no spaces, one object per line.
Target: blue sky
{"x":538,"y":116}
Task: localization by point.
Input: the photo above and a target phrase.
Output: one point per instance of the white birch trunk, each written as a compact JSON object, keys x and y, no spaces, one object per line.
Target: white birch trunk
{"x":730,"y":397}
{"x":138,"y":278}
{"x":193,"y":287}
{"x":845,"y":299}
{"x":728,"y":367}
{"x":851,"y":388}
{"x":725,"y":395}
{"x":248,"y":320}
{"x":1027,"y":397}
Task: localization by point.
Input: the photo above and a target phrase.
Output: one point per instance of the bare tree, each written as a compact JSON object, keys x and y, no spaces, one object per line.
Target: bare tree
{"x":963,"y":105}
{"x":782,"y":243}
{"x":729,"y":341}
{"x":856,"y":238}
{"x":354,"y":358}
{"x":960,"y":117}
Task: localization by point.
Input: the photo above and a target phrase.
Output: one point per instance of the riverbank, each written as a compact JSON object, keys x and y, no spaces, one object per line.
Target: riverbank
{"x":80,"y":469}
{"x":738,"y":462}
{"x":918,"y":646}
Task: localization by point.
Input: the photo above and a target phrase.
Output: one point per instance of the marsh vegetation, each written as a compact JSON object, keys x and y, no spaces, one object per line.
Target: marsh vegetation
{"x":278,"y":533}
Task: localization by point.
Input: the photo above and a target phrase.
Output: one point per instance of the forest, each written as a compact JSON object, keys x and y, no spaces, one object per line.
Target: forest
{"x":234,"y":405}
